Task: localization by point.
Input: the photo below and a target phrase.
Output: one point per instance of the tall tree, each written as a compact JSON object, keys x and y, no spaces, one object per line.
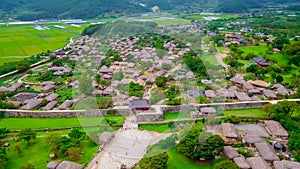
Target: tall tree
{"x":3,"y":132}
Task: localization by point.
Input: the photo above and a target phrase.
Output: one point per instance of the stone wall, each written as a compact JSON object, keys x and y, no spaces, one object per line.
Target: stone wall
{"x":61,"y":114}
{"x":149,"y":117}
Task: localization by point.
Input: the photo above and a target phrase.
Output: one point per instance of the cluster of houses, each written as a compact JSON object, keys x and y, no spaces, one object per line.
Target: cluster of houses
{"x":254,"y":138}
{"x":242,"y":90}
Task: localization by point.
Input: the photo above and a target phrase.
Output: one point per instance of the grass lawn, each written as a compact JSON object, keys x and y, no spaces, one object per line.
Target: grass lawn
{"x":175,"y":115}
{"x":38,"y":154}
{"x":246,"y":112}
{"x":178,"y":161}
{"x":42,"y":123}
{"x":161,"y":128}
{"x":211,"y":59}
{"x":257,"y":50}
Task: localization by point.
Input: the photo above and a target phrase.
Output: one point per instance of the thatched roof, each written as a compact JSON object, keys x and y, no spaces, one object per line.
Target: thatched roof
{"x":47,"y":88}
{"x":241,"y":162}
{"x":65,"y":105}
{"x":52,"y":97}
{"x":229,"y":130}
{"x":276,"y":128}
{"x":69,"y":165}
{"x":260,"y":83}
{"x":260,"y":133}
{"x":243,"y":96}
{"x":210,"y":93}
{"x":237,"y":80}
{"x":32,"y":104}
{"x":50,"y":105}
{"x":266,"y":151}
{"x":52,"y":165}
{"x":208,"y":110}
{"x":269,"y":93}
{"x":285,"y":164}
{"x":250,"y":139}
{"x":230,"y":152}
{"x":258,"y":163}
{"x":25,"y":96}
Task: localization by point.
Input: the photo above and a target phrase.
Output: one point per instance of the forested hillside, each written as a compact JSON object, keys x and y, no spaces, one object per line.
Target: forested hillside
{"x":86,"y":9}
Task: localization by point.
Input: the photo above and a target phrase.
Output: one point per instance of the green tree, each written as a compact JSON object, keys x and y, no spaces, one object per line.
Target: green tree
{"x":226,"y":164}
{"x":212,"y":147}
{"x":118,"y":76}
{"x":155,"y":162}
{"x":3,"y":132}
{"x":74,"y":153}
{"x":27,"y":135}
{"x":160,"y":81}
{"x":201,"y":99}
{"x":279,"y":79}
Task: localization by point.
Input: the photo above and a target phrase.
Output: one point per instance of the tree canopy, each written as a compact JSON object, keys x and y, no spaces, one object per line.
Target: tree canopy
{"x":154,"y":162}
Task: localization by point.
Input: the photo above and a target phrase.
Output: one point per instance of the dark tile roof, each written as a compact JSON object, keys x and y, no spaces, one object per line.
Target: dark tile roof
{"x":139,"y":103}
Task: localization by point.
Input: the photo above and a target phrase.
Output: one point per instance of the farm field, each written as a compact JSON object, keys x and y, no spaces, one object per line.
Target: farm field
{"x":25,"y":40}
{"x":246,"y":112}
{"x":43,"y":123}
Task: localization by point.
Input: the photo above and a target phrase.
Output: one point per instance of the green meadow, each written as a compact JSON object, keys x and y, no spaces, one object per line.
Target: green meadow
{"x":25,"y":40}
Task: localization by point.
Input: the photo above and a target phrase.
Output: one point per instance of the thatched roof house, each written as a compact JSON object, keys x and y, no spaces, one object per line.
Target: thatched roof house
{"x":52,"y":165}
{"x":210,"y":93}
{"x":47,"y":88}
{"x":32,"y":104}
{"x":275,"y":128}
{"x":266,"y":151}
{"x":52,"y":97}
{"x":237,"y":80}
{"x":66,"y":105}
{"x":229,"y":130}
{"x":252,"y":139}
{"x":260,"y":83}
{"x":50,"y":105}
{"x":208,"y":110}
{"x":269,"y":94}
{"x":258,"y":163}
{"x":260,"y":133}
{"x":69,"y":165}
{"x":243,"y":96}
{"x":285,"y":164}
{"x":241,"y":162}
{"x":25,"y":96}
{"x":105,"y":70}
{"x":230,"y":152}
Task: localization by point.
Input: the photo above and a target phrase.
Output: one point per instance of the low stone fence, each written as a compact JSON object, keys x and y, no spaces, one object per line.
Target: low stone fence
{"x":61,"y":113}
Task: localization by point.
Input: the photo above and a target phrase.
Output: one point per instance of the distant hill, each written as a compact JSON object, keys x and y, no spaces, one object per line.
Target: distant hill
{"x":87,"y":9}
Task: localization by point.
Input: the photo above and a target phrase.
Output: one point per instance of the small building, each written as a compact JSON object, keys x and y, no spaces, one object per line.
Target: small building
{"x":279,"y":147}
{"x":50,"y":105}
{"x":276,"y":129}
{"x":105,"y":70}
{"x":259,"y":83}
{"x":261,"y":61}
{"x":140,"y":104}
{"x":210,"y":94}
{"x":241,"y":162}
{"x":25,"y":96}
{"x":266,"y":151}
{"x":35,"y":103}
{"x":66,"y":105}
{"x":52,"y":97}
{"x":285,"y":164}
{"x":243,"y":97}
{"x":208,"y":111}
{"x":229,"y":132}
{"x":269,"y":94}
{"x":257,"y":163}
{"x":259,"y":133}
{"x":230,"y":153}
{"x":47,"y":88}
{"x":52,"y":165}
{"x":237,"y":80}
{"x":108,"y":91}
{"x":252,"y":139}
{"x":248,"y":86}
{"x":69,"y":165}
{"x":194,"y":93}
